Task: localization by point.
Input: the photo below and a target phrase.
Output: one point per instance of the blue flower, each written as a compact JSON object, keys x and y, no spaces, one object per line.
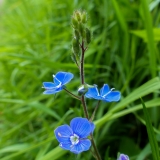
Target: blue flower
{"x":60,"y":79}
{"x":74,"y":137}
{"x":106,"y":94}
{"x":123,"y":157}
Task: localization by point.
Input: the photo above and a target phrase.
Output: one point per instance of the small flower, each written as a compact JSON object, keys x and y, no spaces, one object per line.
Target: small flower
{"x":82,"y":89}
{"x":60,"y":79}
{"x":123,"y":157}
{"x":106,"y":94}
{"x":74,"y":137}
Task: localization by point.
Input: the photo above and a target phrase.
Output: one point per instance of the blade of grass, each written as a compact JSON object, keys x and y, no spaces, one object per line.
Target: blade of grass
{"x":152,"y":49}
{"x":54,"y":154}
{"x":149,"y":31}
{"x":151,"y":135}
{"x":124,"y":27}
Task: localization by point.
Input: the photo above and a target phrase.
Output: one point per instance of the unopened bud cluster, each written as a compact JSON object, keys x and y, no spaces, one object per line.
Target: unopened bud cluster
{"x":80,"y":32}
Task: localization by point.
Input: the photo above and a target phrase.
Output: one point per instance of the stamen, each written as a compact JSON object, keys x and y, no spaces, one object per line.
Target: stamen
{"x":96,"y":89}
{"x":60,"y":135}
{"x":108,"y":92}
{"x":59,"y":85}
{"x":74,"y":139}
{"x":56,"y":78}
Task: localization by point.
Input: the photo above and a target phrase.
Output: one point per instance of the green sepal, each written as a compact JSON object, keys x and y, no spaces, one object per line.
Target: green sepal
{"x":76,"y":34}
{"x":82,"y":30}
{"x":75,"y":46}
{"x":88,"y":36}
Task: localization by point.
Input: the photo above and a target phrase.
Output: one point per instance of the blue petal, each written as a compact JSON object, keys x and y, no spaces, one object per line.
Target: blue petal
{"x":63,"y":77}
{"x":123,"y":157}
{"x":113,"y":96}
{"x":83,"y":145}
{"x":104,"y":90}
{"x":52,"y":91}
{"x":49,"y":85}
{"x":66,"y":146}
{"x":93,"y":93}
{"x":81,"y":127}
{"x":63,"y":134}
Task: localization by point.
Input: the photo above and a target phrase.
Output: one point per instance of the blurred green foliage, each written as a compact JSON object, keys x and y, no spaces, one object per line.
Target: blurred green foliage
{"x":36,"y":43}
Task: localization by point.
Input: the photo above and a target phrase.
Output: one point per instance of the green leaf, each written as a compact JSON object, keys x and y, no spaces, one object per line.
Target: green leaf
{"x":142,"y":34}
{"x":151,"y":135}
{"x":54,"y":154}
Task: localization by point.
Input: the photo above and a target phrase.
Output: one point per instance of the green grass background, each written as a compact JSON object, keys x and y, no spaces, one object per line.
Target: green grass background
{"x":35,"y":42}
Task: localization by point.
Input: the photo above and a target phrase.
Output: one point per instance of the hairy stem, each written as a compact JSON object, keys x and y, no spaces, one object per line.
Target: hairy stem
{"x":73,"y":95}
{"x":84,"y":107}
{"x":82,"y":63}
{"x":98,"y":157}
{"x":82,"y":77}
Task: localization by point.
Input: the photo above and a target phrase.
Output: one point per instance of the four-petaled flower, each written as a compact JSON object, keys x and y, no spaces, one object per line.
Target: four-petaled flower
{"x":106,"y":94}
{"x":60,"y":79}
{"x":74,"y":137}
{"x":123,"y":157}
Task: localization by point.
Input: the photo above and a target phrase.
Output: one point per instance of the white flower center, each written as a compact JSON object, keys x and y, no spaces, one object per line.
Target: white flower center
{"x":74,"y":139}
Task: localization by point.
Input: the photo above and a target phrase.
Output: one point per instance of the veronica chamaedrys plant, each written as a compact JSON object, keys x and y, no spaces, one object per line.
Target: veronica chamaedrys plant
{"x":60,"y":79}
{"x":78,"y":137}
{"x":106,"y":94}
{"x":74,"y":137}
{"x":123,"y":157}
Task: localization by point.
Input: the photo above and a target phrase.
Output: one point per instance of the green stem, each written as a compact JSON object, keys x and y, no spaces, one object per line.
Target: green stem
{"x":83,"y":98}
{"x":73,"y":95}
{"x":82,"y":80}
{"x":84,"y":107}
{"x":98,"y":157}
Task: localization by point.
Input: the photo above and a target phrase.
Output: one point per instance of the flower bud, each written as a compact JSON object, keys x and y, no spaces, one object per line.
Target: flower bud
{"x":78,"y":15}
{"x":74,"y":22}
{"x":82,"y":89}
{"x":84,"y":17}
{"x":88,"y":36}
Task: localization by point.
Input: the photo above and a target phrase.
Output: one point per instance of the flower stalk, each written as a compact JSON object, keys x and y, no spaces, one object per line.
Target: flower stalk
{"x":75,"y":137}
{"x":82,"y":77}
{"x":73,"y":95}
